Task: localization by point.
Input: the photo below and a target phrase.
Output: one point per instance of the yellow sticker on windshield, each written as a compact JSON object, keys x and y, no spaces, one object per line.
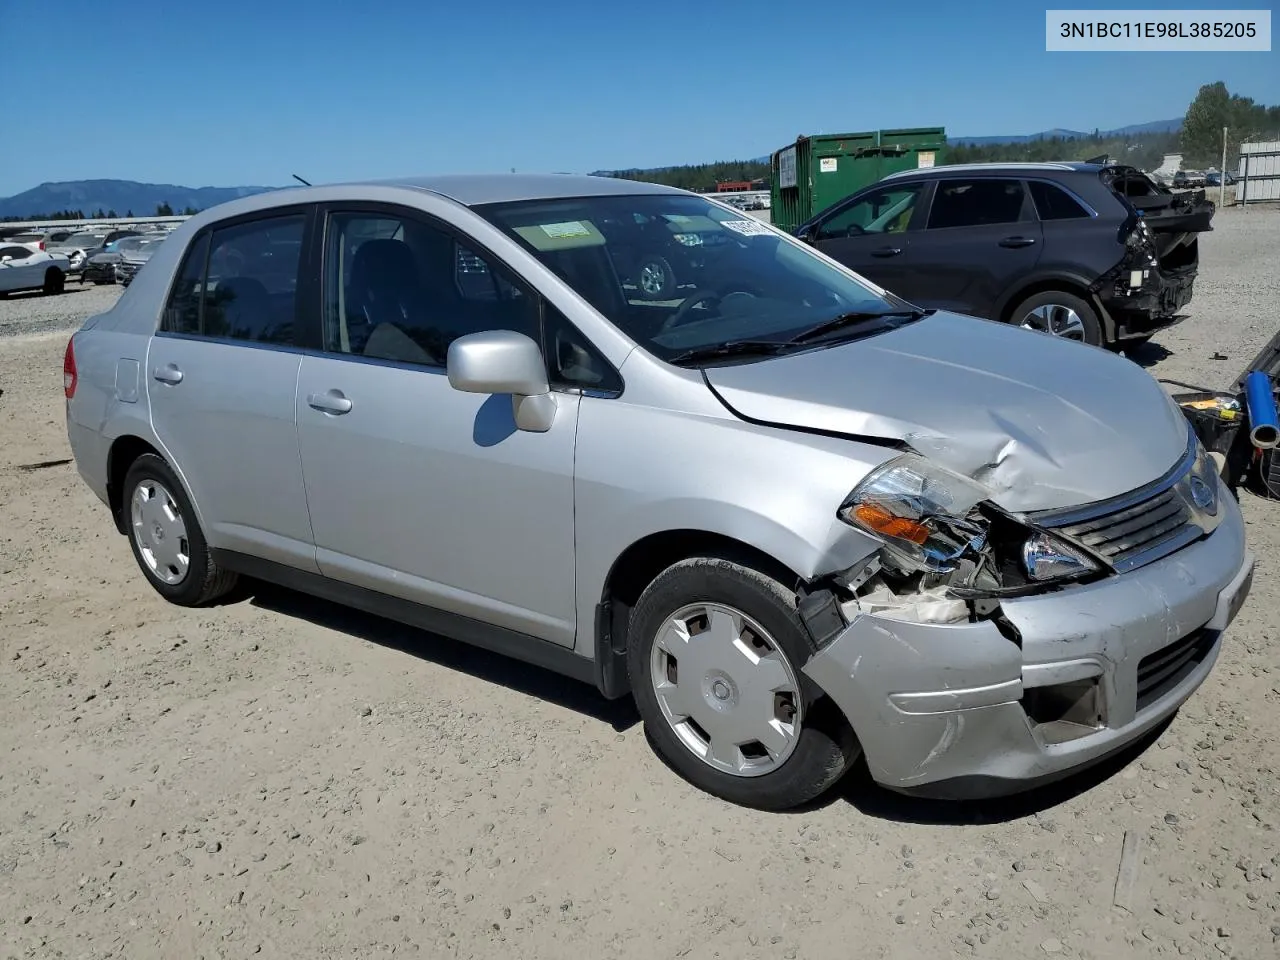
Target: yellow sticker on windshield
{"x":565,"y":231}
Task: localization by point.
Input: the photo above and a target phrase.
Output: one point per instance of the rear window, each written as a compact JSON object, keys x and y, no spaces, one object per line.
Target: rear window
{"x":1129,"y":182}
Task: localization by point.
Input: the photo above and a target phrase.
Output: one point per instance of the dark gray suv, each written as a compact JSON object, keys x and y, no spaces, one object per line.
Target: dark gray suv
{"x":1094,"y":252}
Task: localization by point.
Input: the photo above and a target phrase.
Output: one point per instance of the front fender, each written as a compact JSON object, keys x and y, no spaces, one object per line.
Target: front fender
{"x":773,"y":489}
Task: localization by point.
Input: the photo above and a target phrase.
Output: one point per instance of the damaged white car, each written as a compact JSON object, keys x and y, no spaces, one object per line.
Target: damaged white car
{"x":795,"y":517}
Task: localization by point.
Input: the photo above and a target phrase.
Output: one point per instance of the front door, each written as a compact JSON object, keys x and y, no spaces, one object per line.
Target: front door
{"x":872,"y":234}
{"x":416,"y":489}
{"x":222,"y":373}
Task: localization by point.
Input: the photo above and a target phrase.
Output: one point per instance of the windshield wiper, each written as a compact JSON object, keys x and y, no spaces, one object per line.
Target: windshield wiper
{"x":855,"y":318}
{"x":734,"y":348}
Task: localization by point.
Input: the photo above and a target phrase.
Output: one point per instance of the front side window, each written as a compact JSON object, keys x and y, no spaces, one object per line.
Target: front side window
{"x":975,"y":203}
{"x":725,"y":276}
{"x":399,"y":288}
{"x":882,"y":211}
{"x":15,"y":253}
{"x":240,"y":283}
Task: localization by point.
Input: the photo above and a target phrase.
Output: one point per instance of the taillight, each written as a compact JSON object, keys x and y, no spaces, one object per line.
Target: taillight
{"x":69,"y":378}
{"x":41,"y":246}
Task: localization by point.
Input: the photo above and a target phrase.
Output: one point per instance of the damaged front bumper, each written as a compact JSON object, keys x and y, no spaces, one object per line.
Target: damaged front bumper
{"x":969,"y":709}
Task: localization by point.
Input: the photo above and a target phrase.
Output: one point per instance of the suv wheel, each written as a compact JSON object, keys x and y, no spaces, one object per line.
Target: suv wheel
{"x":1059,"y":314}
{"x":167,"y":541}
{"x":714,"y":654}
{"x":656,"y":279}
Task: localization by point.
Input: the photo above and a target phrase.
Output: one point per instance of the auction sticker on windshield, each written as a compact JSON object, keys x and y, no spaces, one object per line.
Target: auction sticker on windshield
{"x":748,"y":228}
{"x":565,"y":231}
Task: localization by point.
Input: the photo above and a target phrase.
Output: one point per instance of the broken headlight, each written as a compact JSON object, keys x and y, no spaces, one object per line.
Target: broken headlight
{"x":922,"y":512}
{"x":1046,"y":557}
{"x":937,"y":522}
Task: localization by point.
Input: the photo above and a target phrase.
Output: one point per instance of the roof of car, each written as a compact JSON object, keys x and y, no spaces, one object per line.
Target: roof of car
{"x":995,"y":168}
{"x":473,"y":189}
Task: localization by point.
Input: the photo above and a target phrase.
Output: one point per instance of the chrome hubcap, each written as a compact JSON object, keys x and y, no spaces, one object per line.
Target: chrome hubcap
{"x":159,"y":531}
{"x":1056,"y":320}
{"x":652,"y":279}
{"x":726,"y":689}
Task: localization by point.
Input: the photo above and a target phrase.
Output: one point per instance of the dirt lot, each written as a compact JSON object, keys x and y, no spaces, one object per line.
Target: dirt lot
{"x":278,"y":777}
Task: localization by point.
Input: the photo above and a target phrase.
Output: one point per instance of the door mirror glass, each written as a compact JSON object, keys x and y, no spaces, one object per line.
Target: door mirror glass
{"x":503,"y":361}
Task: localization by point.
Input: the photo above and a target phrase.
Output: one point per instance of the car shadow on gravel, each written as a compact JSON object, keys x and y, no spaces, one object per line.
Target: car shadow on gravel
{"x":482,"y":664}
{"x":872,"y":800}
{"x":1148,"y":354}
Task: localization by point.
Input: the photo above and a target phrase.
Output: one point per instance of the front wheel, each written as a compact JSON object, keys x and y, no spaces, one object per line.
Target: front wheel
{"x":166,"y":538}
{"x":715,"y":651}
{"x":656,"y":279}
{"x":1059,"y":314}
{"x":55,"y":281}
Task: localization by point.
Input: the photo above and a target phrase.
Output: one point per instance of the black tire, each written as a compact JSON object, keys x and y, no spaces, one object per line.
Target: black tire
{"x":652,"y":269}
{"x":55,"y":281}
{"x":204,"y":580}
{"x":1093,"y":332}
{"x":826,"y":745}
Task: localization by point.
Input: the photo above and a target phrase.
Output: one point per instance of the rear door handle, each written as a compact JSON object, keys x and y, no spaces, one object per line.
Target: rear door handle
{"x":167,"y":374}
{"x":331,"y":402}
{"x":886,"y":252}
{"x":1017,"y":241}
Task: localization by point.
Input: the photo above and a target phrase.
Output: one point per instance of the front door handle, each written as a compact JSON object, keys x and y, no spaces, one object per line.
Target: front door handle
{"x":331,"y":402}
{"x":886,"y":252}
{"x":1017,"y":241}
{"x":167,"y":374}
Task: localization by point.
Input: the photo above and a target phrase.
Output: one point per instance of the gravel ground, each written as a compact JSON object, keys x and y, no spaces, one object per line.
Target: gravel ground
{"x":23,"y":313}
{"x":279,"y":777}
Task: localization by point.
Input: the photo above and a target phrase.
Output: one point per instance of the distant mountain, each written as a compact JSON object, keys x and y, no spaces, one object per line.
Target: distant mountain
{"x":118,"y":195}
{"x":1134,"y":129}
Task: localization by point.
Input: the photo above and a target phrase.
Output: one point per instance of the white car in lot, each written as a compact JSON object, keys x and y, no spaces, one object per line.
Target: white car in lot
{"x":22,"y":268}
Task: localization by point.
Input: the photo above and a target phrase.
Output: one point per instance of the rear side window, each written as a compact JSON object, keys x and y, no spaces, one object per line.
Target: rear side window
{"x":182,"y":313}
{"x":241,"y":283}
{"x":1054,"y":203}
{"x":973,"y":203}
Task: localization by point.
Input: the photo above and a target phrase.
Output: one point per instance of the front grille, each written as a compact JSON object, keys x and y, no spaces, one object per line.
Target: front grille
{"x":1129,"y":536}
{"x":1160,"y":672}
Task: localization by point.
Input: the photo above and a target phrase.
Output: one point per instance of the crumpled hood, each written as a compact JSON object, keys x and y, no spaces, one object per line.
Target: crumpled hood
{"x":1043,"y":423}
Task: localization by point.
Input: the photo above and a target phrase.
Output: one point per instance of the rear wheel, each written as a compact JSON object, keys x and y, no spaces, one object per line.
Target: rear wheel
{"x":55,"y":281}
{"x":166,"y":539}
{"x":715,"y":651}
{"x":1059,"y":314}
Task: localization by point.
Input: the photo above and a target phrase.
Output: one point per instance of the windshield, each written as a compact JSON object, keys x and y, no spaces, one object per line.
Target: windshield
{"x":679,"y":274}
{"x":130,"y":244}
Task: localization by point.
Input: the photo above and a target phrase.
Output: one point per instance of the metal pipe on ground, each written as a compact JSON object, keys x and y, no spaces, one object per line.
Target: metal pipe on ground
{"x":1264,"y":430}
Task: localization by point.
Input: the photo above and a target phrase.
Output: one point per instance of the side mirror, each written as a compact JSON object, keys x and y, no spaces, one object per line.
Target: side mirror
{"x":806,"y":233}
{"x":503,"y":361}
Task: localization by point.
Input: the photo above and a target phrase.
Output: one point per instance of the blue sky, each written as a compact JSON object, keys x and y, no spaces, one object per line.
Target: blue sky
{"x":239,"y":92}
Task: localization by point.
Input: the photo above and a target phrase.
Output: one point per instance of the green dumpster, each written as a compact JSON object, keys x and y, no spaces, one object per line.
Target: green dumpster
{"x":814,"y":172}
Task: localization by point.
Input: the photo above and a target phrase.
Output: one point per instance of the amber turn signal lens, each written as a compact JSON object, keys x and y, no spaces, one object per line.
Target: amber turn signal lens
{"x":880,"y":520}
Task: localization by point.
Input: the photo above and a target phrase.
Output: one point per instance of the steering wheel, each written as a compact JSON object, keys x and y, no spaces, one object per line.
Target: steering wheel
{"x":681,"y":316}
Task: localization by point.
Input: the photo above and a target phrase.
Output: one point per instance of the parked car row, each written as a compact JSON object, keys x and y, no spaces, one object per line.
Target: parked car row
{"x":91,"y":255}
{"x":799,"y":518}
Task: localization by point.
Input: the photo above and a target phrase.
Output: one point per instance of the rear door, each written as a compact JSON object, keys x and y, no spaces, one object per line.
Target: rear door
{"x":872,"y":233}
{"x":222,"y":375}
{"x":981,"y":236}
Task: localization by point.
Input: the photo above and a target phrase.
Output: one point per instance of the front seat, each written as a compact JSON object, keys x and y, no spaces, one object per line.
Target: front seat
{"x":386,"y":302}
{"x":240,"y":307}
